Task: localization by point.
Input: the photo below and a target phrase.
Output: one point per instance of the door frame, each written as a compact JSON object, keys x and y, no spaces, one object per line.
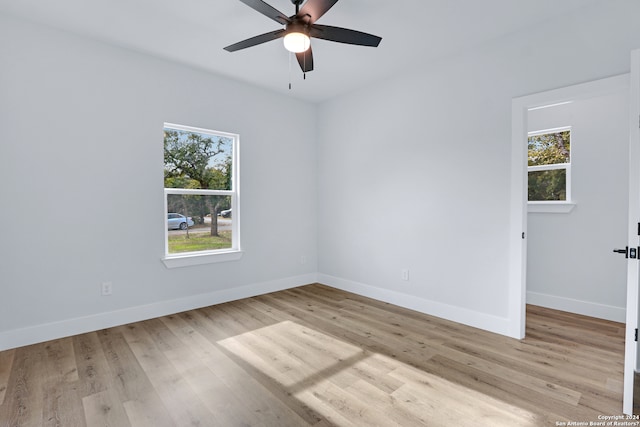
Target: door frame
{"x":633,"y":265}
{"x":518,"y":216}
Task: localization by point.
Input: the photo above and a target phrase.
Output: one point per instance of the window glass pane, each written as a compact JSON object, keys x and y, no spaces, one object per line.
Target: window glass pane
{"x":197,"y":160}
{"x":202,"y":223}
{"x":549,"y":148}
{"x":548,"y":185}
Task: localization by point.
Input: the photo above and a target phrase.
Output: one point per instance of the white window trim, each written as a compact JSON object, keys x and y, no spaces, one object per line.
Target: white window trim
{"x":559,"y":206}
{"x":546,"y":131}
{"x":200,"y":258}
{"x":552,"y":206}
{"x":185,"y":259}
{"x":554,"y":166}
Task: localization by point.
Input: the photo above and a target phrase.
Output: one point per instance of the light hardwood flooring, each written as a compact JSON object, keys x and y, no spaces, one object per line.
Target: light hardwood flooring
{"x":316,"y":356}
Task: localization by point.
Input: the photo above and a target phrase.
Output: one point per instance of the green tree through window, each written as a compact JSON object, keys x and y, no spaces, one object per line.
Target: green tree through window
{"x":549,"y":165}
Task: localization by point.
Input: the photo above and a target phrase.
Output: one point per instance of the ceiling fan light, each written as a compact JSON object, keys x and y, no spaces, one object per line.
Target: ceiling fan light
{"x":297,"y":42}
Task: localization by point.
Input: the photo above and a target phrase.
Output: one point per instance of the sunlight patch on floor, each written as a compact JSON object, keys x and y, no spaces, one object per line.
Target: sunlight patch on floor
{"x":350,"y":386}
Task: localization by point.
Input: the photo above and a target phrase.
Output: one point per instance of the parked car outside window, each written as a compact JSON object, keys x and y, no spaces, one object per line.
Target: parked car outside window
{"x":176,"y":221}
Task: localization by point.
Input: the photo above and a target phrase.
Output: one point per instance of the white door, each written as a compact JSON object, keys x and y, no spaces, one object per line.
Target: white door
{"x":633,"y":264}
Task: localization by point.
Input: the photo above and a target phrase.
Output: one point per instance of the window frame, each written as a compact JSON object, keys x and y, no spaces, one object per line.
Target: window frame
{"x":553,"y":206}
{"x":233,"y":253}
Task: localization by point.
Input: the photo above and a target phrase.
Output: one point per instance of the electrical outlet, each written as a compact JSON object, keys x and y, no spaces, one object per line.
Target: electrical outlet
{"x":106,"y":288}
{"x":404,"y":274}
{"x":303,"y":260}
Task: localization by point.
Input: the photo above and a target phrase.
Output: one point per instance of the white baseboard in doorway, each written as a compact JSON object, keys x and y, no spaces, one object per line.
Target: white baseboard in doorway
{"x":586,"y":308}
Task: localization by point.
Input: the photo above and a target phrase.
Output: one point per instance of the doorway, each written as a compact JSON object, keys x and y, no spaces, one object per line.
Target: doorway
{"x":578,"y":212}
{"x":521,"y":109}
{"x":519,"y":208}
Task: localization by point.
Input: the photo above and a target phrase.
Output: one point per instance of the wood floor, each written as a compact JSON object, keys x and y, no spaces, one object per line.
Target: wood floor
{"x":316,"y":356}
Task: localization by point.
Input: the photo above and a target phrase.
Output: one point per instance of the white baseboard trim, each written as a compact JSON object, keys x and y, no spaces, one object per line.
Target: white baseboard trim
{"x":592,"y":309}
{"x":496,"y":324}
{"x":54,"y":330}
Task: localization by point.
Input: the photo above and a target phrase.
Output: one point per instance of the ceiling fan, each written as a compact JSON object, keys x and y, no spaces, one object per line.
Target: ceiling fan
{"x":301,"y":27}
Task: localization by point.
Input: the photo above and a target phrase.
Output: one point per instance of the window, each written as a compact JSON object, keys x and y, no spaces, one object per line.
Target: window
{"x":549,"y":165}
{"x":201,"y":196}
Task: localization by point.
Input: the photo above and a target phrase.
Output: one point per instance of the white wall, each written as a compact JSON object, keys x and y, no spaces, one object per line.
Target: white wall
{"x":81,"y":184}
{"x":414,"y":171}
{"x":570,"y":263}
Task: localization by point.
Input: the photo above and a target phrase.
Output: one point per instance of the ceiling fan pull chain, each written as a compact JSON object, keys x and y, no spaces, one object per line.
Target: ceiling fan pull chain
{"x":290,"y":70}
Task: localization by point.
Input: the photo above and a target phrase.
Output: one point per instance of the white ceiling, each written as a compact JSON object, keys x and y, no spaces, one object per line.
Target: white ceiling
{"x":194,"y":32}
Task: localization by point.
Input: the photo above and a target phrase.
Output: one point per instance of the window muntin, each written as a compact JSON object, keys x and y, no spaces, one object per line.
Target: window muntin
{"x":201,"y":191}
{"x":549,"y":165}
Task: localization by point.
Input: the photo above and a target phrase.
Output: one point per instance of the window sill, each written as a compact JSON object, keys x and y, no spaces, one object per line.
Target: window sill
{"x":550,"y":207}
{"x":186,"y":260}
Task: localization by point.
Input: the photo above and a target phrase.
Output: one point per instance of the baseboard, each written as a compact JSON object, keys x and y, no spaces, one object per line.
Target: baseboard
{"x":49,"y":331}
{"x":496,"y":324}
{"x":592,"y":309}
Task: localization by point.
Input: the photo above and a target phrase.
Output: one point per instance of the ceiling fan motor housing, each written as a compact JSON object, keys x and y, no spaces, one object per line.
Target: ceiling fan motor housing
{"x":297,"y":27}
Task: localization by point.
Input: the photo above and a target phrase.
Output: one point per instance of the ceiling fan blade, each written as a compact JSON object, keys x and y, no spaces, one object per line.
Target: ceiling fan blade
{"x":315,"y":9}
{"x":267,"y":10}
{"x":305,"y":59}
{"x":253,"y":41}
{"x":344,"y":35}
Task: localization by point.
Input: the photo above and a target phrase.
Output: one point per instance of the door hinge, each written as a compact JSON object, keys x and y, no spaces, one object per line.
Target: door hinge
{"x":636,"y":334}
